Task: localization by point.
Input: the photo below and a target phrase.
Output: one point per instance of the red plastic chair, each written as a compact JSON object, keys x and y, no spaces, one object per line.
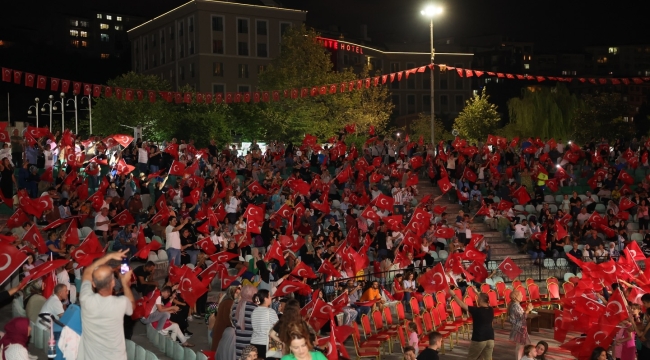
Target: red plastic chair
{"x":516,"y":284}
{"x":485,"y":288}
{"x":529,"y":281}
{"x":553,"y":293}
{"x":567,"y":287}
{"x":364,"y":344}
{"x":535,"y":297}
{"x":471,"y":292}
{"x":415,"y":306}
{"x":499,"y":313}
{"x":367,"y":331}
{"x":364,"y":351}
{"x":501,"y":288}
{"x":552,"y":280}
{"x":440,"y":298}
{"x":401,"y":333}
{"x":428,"y":302}
{"x":401,"y":314}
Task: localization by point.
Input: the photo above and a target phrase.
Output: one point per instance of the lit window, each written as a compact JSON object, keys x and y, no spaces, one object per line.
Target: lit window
{"x":83,"y":23}
{"x":118,"y":18}
{"x":526,"y":66}
{"x":217,"y":69}
{"x":75,"y":43}
{"x":74,"y":23}
{"x":84,"y":34}
{"x":118,"y":27}
{"x":105,"y":56}
{"x":104,"y":26}
{"x":613,"y":50}
{"x":74,"y":33}
{"x":99,"y":16}
{"x":109,"y":17}
{"x":104,"y":37}
{"x":243,"y":71}
{"x":564,"y":72}
{"x":84,"y":44}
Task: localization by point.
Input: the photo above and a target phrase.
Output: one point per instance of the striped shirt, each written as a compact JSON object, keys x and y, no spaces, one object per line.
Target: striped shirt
{"x":263,"y":319}
{"x":398,"y":196}
{"x":243,"y":336}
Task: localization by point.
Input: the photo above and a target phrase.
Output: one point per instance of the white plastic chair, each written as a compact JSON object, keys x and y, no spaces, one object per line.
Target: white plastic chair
{"x":443,"y":254}
{"x":568,"y":276}
{"x":561,"y":262}
{"x":549,"y":263}
{"x":162,"y":255}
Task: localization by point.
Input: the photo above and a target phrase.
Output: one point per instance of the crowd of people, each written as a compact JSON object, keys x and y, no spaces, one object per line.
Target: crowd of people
{"x":268,"y":227}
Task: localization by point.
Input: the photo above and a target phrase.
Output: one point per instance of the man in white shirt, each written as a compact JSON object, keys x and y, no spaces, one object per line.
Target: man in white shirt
{"x":102,"y":224}
{"x":173,"y":240}
{"x":520,"y":232}
{"x":143,"y":159}
{"x":159,"y":312}
{"x":63,"y":277}
{"x":54,"y":305}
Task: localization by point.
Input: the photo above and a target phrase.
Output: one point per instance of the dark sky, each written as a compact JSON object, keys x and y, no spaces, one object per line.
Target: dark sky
{"x":550,"y":23}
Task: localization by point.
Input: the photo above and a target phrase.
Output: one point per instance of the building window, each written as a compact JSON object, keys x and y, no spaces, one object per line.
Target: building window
{"x":180,"y":28}
{"x":459,"y":83}
{"x":613,"y":50}
{"x":459,"y":102}
{"x":410,"y":104}
{"x":145,"y":65}
{"x":346,"y":59}
{"x":217,"y":69}
{"x":153,"y":40}
{"x":84,"y":44}
{"x":444,"y":83}
{"x":162,"y":37}
{"x":75,"y":43}
{"x":104,"y":26}
{"x":104,"y":38}
{"x":84,"y":33}
{"x":119,"y":27}
{"x":217,"y":46}
{"x":218,"y":88}
{"x":118,"y":18}
{"x":410,"y":82}
{"x":395,"y":100}
{"x":191,"y":70}
{"x":136,"y":49}
{"x":171,"y":33}
{"x":217,"y":23}
{"x":262,"y":50}
{"x":74,"y":33}
{"x":444,"y":101}
{"x":261,"y":27}
{"x":109,"y":17}
{"x":190,"y":47}
{"x":172,"y":54}
{"x":181,"y":72}
{"x":242,"y":26}
{"x":145,"y":45}
{"x":83,"y":23}
{"x":162,"y":57}
{"x":527,"y":66}
{"x":242,"y":48}
{"x":284,"y":27}
{"x":99,"y":16}
{"x":260,"y":69}
{"x":426,"y":103}
{"x":171,"y":74}
{"x":243,"y":88}
{"x":154,"y":61}
{"x":181,"y":51}
{"x":243,"y":71}
{"x":394,"y":68}
{"x":190,"y":24}
{"x":74,"y":23}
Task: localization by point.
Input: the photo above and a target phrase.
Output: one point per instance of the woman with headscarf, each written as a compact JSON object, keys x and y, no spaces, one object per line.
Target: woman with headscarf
{"x":222,"y":318}
{"x":211,"y":316}
{"x":13,"y":344}
{"x":517,"y":317}
{"x":241,"y":318}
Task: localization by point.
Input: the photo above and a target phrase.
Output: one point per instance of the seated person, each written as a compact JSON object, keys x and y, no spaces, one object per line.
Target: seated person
{"x":145,"y":283}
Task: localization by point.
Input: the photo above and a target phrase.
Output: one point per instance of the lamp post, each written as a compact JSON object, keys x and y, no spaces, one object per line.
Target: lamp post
{"x":51,"y":107}
{"x":431,"y":11}
{"x":75,"y":102}
{"x":35,"y":106}
{"x":62,"y":103}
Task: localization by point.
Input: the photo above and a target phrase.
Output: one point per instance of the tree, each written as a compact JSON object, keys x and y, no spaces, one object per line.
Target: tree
{"x":478,"y":118}
{"x":543,"y":112}
{"x":602,"y":117}
{"x":110,"y":113}
{"x":303,"y":63}
{"x":422,"y":127}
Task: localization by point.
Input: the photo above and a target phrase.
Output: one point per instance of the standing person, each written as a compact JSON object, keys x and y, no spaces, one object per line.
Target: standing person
{"x":241,"y":318}
{"x":263,"y":319}
{"x":643,"y":329}
{"x":173,"y":240}
{"x":17,"y":148}
{"x":222,"y":319}
{"x":13,"y":344}
{"x":517,"y":317}
{"x":431,"y":352}
{"x":103,"y":334}
{"x":8,"y":180}
{"x":482,"y":343}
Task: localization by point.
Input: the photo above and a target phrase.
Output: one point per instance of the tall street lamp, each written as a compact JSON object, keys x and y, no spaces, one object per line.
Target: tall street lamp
{"x":431,"y":11}
{"x":75,"y":102}
{"x":62,"y":104}
{"x":35,"y":106}
{"x":51,"y":107}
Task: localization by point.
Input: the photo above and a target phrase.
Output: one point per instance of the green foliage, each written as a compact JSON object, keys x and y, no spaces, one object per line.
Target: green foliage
{"x":478,"y":118}
{"x":602,"y":117}
{"x":422,"y":127}
{"x":542,"y":112}
{"x":110,"y":113}
{"x":304,"y":63}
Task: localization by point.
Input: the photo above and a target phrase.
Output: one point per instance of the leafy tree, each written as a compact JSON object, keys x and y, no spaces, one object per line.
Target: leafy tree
{"x":543,"y":112}
{"x":110,"y":113}
{"x":478,"y":118}
{"x":422,"y":127}
{"x":602,"y":117}
{"x":303,"y":63}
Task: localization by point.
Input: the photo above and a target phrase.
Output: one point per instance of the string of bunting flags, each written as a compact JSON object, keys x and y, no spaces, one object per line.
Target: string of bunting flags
{"x":44,"y":82}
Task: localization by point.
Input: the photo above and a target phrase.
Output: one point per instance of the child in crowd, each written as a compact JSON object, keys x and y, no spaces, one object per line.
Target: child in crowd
{"x":625,"y":347}
{"x":530,"y":352}
{"x":413,"y":337}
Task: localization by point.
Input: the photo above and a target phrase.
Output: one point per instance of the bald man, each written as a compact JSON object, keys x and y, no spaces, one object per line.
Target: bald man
{"x":102,"y":314}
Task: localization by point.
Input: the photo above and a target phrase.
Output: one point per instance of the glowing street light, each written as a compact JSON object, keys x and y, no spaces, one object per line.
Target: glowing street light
{"x":432,"y":11}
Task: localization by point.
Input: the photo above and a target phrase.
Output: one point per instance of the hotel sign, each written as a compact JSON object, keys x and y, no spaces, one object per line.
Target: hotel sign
{"x":333,"y":44}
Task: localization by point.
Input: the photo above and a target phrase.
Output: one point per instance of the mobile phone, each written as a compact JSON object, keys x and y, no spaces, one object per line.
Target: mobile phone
{"x":125,"y":266}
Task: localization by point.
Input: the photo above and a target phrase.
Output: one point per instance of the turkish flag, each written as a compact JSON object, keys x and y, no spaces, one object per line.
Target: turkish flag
{"x":207,"y":245}
{"x":289,"y":286}
{"x":329,"y":269}
{"x":254,"y":213}
{"x":370,"y":214}
{"x":124,"y":218}
{"x":471,"y":253}
{"x":303,"y":271}
{"x":40,"y":270}
{"x":6,"y":75}
{"x":284,"y":211}
{"x":383,"y":202}
{"x":416,"y":162}
{"x":560,"y":231}
{"x":223,"y":257}
{"x":616,"y":311}
{"x":191,"y":288}
{"x":484,"y":210}
{"x":97,"y":200}
{"x":521,"y":194}
{"x":445,"y":233}
{"x":478,"y":270}
{"x":124,"y":140}
{"x":193,"y":197}
{"x":29,"y":79}
{"x":625,"y":203}
{"x":444,"y":184}
{"x":275,"y":252}
{"x":505,"y":205}
{"x":637,"y":254}
{"x":434,"y":280}
{"x":292,"y":243}
{"x":123,"y":168}
{"x":71,"y":234}
{"x":18,"y":218}
{"x":394,"y":222}
{"x":510,"y":269}
{"x":89,"y":250}
{"x":469,"y":175}
{"x":412,"y":179}
{"x":552,"y":185}
{"x":177,"y":168}
{"x":34,"y":237}
{"x":257,"y":189}
{"x":625,"y":178}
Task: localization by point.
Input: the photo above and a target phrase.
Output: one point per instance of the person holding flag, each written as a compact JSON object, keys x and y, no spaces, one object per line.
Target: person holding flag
{"x":482,"y":343}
